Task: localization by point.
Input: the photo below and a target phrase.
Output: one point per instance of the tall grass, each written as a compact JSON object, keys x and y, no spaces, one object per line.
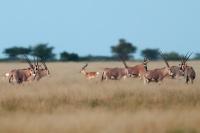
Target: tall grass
{"x":67,"y":102}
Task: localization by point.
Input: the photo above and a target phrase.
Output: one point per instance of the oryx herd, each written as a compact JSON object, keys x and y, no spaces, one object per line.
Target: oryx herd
{"x":142,"y":71}
{"x":36,"y":71}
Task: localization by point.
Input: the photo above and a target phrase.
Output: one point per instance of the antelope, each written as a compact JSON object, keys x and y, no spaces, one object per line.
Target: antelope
{"x":189,"y":72}
{"x":114,"y":73}
{"x":41,"y":72}
{"x":177,"y":72}
{"x":136,"y":71}
{"x":22,"y":75}
{"x":158,"y":74}
{"x":89,"y":75}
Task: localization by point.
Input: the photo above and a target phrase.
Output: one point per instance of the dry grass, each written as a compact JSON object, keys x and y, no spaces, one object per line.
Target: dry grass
{"x":67,"y":102}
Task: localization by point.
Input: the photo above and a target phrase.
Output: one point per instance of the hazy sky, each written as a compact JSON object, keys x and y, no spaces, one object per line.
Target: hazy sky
{"x":92,"y":26}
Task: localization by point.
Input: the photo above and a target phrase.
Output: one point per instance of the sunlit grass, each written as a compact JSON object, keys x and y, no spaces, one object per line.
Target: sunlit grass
{"x":67,"y":102}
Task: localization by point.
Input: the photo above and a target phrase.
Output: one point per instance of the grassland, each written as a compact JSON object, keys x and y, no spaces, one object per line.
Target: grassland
{"x":67,"y":102}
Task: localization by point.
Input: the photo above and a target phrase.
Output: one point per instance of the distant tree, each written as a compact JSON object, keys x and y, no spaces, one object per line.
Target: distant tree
{"x":43,"y":51}
{"x":172,"y":56}
{"x":73,"y":57}
{"x":197,"y":56}
{"x":123,"y":49}
{"x":65,"y":56}
{"x":14,"y":52}
{"x":152,"y":54}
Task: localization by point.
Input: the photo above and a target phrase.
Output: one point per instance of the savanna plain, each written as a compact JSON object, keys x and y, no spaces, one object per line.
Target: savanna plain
{"x":67,"y":102}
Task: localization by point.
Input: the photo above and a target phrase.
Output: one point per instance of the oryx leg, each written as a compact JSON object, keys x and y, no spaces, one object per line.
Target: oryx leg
{"x":187,"y":80}
{"x":144,"y":80}
{"x":124,"y":77}
{"x":10,"y":80}
{"x":140,"y":77}
{"x":192,"y":81}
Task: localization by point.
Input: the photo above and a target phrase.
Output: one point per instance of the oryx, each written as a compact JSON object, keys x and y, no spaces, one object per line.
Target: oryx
{"x":157,"y":74}
{"x":22,"y":75}
{"x":189,"y":72}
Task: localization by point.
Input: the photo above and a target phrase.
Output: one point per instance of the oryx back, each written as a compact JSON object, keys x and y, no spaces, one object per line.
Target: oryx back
{"x":21,"y":75}
{"x":114,"y":73}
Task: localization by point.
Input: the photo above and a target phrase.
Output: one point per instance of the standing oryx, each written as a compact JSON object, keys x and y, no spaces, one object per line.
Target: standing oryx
{"x":137,"y":70}
{"x":89,"y":75}
{"x":22,"y":75}
{"x":177,"y":72}
{"x":31,"y":73}
{"x":114,"y":73}
{"x":158,"y":74}
{"x":189,"y":72}
{"x":41,"y":72}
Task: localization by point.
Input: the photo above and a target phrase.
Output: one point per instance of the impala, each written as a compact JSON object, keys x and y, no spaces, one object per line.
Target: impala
{"x":89,"y":75}
{"x":158,"y":74}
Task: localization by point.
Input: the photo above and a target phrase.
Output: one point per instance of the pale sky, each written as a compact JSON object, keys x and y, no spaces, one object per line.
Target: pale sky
{"x":92,"y":26}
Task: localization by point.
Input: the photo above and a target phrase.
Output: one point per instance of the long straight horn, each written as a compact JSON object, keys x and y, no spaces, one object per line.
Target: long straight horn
{"x":37,"y":61}
{"x":186,"y":59}
{"x":166,"y":62}
{"x":145,"y":63}
{"x":34,"y":61}
{"x":28,"y":61}
{"x":44,"y":64}
{"x":146,"y":60}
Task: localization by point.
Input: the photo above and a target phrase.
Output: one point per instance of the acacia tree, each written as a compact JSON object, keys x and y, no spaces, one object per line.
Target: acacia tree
{"x":172,"y":56}
{"x":197,"y":56}
{"x":15,"y":52}
{"x":43,"y":51}
{"x":123,"y":49}
{"x":152,"y":54}
{"x":65,"y":56}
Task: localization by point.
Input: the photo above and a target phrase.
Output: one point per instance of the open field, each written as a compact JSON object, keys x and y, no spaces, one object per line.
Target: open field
{"x":67,"y":102}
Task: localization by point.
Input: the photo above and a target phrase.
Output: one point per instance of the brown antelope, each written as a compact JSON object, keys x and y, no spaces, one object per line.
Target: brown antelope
{"x":22,"y":75}
{"x":189,"y":72}
{"x":136,"y":71}
{"x":158,"y":74}
{"x":177,"y":72}
{"x":114,"y":73}
{"x":41,"y":72}
{"x":89,"y":75}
